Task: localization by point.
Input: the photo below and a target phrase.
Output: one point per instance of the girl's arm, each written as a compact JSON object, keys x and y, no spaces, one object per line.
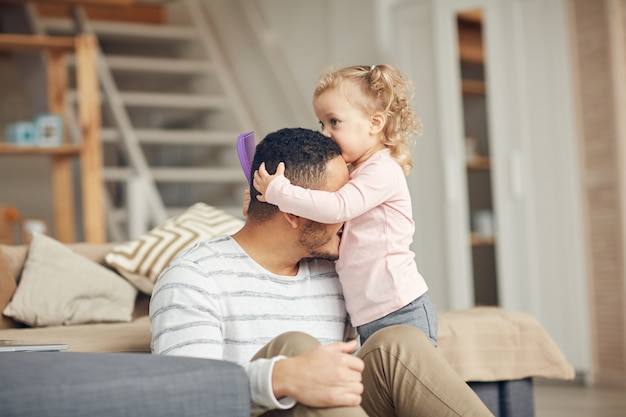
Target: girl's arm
{"x":373,"y":185}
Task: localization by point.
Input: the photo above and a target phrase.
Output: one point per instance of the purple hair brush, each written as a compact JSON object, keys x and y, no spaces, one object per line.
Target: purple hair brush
{"x":245,"y":149}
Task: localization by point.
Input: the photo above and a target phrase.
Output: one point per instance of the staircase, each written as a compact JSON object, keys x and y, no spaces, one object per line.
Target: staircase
{"x":170,"y":116}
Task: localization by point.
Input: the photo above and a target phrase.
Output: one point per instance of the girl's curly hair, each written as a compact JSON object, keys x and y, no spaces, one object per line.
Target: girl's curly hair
{"x":381,"y":88}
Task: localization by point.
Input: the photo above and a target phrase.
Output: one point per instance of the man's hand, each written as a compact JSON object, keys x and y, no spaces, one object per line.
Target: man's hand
{"x":327,"y":376}
{"x":262,"y":179}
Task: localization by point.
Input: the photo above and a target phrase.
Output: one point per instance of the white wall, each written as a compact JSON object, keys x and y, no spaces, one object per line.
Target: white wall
{"x":313,"y":36}
{"x":558,"y":297}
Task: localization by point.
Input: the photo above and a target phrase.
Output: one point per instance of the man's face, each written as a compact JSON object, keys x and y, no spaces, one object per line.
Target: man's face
{"x":322,"y":240}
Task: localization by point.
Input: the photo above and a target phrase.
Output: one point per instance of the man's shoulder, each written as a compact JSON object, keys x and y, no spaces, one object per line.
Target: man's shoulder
{"x":212,"y":254}
{"x":213,"y":258}
{"x":207,"y":247}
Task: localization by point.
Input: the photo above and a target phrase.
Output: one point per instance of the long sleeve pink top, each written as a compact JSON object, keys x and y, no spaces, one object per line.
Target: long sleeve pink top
{"x":376,"y":268}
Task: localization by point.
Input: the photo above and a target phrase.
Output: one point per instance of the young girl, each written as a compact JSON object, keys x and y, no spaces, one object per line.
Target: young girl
{"x":367,"y":111}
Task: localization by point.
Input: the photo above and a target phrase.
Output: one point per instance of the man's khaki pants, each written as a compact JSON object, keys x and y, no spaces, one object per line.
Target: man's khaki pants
{"x":404,"y":376}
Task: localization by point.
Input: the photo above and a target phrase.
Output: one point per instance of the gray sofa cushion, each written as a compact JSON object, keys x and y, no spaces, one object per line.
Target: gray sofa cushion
{"x":120,"y":384}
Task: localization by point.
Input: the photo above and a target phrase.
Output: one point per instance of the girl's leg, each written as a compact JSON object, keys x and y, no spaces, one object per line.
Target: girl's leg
{"x":406,"y":376}
{"x":420,"y":313}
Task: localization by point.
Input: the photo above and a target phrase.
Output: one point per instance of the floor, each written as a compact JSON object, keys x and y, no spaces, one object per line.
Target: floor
{"x":579,"y":401}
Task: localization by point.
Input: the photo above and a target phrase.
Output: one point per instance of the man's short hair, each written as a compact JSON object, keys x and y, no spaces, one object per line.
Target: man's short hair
{"x":305,"y":153}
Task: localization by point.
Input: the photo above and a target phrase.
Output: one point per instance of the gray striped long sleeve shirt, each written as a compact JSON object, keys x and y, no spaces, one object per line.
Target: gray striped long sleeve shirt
{"x":214,"y":301}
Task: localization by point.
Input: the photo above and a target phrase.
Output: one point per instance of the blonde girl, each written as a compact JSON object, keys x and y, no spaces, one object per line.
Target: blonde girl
{"x":367,"y":111}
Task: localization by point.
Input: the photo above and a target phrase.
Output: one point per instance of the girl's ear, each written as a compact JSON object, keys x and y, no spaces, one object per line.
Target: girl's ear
{"x":377,"y":122}
{"x":292,"y":220}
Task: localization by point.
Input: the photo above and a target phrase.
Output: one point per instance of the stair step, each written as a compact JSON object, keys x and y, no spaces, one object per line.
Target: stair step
{"x":108,"y":29}
{"x":179,"y":175}
{"x":172,"y":100}
{"x":177,"y":66}
{"x":159,"y":65}
{"x":167,"y":100}
{"x":175,"y":137}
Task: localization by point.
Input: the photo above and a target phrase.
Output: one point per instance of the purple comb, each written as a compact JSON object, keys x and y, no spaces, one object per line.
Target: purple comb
{"x":245,"y":149}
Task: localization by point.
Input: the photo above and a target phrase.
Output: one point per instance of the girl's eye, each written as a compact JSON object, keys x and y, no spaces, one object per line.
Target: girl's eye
{"x":321,"y":125}
{"x":334,"y":122}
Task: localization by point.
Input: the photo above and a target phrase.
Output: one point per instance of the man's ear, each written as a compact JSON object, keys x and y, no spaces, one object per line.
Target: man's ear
{"x":292,"y":220}
{"x":377,"y":122}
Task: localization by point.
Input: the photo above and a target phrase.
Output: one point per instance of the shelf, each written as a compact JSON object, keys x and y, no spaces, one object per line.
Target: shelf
{"x":11,"y":149}
{"x":471,"y":16}
{"x":479,"y":163}
{"x":471,"y":42}
{"x":38,"y":43}
{"x":482,"y":240}
{"x":473,"y":87}
{"x":78,"y":2}
{"x":88,"y":153}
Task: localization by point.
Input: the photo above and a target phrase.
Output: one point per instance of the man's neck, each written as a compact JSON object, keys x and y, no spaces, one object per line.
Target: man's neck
{"x":266,"y":247}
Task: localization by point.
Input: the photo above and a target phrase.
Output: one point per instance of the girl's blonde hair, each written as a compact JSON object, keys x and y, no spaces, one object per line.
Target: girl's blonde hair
{"x":383,"y":88}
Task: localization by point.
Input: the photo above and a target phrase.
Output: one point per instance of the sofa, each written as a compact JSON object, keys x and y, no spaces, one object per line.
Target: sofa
{"x":498,"y":352}
{"x":119,"y":336}
{"x":77,"y":384}
{"x":56,"y":293}
{"x":95,"y":297}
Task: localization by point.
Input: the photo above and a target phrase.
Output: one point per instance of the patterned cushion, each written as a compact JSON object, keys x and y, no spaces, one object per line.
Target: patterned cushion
{"x":141,"y":261}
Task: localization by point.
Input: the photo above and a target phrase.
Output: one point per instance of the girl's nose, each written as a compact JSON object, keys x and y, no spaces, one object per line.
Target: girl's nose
{"x":325,"y":132}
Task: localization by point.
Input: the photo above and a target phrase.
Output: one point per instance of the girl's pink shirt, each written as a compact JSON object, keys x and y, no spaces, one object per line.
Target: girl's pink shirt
{"x":376,"y":267}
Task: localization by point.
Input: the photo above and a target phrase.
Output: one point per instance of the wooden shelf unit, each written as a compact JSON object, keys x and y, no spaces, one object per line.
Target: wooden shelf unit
{"x":88,"y":151}
{"x":479,"y":168}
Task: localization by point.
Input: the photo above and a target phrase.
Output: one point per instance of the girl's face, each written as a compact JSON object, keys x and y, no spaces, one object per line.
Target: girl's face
{"x":356,"y":133}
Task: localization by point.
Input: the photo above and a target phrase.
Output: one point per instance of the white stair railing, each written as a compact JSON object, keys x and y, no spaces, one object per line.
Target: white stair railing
{"x":130,"y":142}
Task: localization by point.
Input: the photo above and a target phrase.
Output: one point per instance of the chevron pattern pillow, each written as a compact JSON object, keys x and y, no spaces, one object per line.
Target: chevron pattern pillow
{"x":142,"y":260}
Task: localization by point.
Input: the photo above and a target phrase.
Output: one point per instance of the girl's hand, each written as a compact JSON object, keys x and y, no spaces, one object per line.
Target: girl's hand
{"x":262,"y":179}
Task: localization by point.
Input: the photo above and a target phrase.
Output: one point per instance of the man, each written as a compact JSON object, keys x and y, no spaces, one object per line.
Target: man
{"x":268,"y":298}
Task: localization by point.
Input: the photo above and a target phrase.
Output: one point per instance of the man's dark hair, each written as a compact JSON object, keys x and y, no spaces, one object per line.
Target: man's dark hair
{"x":305,"y":153}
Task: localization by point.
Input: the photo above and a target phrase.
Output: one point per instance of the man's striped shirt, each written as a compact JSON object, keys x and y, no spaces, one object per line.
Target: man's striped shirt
{"x":214,"y":301}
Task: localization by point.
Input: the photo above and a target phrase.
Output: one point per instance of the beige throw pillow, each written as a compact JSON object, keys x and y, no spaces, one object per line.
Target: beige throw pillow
{"x":142,"y":260}
{"x":59,"y":286}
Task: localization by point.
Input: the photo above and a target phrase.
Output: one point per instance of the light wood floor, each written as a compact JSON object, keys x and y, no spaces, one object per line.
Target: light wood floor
{"x":578,"y":401}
